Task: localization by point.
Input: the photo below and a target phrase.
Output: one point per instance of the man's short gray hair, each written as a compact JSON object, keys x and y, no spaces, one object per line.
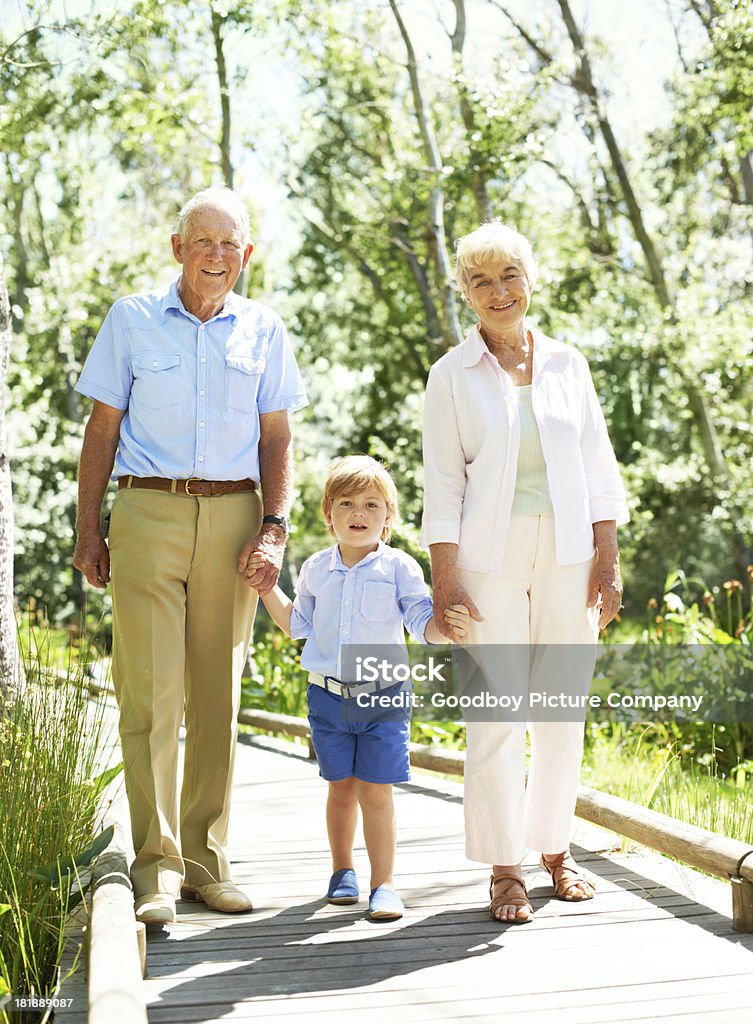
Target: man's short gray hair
{"x":493,"y":243}
{"x":221,"y":198}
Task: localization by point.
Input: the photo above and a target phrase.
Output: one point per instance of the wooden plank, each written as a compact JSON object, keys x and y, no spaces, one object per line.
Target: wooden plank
{"x":585,"y":942}
{"x":717,"y":1007}
{"x":357,"y":998}
{"x":732,"y":990}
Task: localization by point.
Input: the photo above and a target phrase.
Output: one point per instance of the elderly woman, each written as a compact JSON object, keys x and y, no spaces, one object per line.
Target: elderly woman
{"x":522,"y":500}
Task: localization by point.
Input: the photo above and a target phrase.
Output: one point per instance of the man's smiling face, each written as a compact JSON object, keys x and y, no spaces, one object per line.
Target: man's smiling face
{"x":212,"y":254}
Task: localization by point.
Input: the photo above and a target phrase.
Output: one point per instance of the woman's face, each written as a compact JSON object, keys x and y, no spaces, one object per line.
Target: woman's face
{"x":499,"y":294}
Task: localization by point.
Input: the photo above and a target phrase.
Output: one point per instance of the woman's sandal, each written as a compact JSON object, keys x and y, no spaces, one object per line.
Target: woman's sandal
{"x":565,"y":883}
{"x":509,"y":898}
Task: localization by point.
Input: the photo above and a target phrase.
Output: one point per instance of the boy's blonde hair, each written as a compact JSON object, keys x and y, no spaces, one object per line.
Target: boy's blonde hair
{"x":356,"y":473}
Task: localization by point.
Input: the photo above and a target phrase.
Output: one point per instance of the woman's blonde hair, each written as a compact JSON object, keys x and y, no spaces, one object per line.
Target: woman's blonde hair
{"x":493,"y":243}
{"x":356,"y":473}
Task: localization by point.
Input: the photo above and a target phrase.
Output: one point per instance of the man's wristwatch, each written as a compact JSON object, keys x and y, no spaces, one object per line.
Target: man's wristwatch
{"x":282,"y":521}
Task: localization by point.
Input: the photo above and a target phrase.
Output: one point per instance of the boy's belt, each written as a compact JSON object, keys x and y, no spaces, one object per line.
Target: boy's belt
{"x":346,"y":690}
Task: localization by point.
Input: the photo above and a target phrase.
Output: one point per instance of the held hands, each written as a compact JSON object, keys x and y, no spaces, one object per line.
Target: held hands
{"x":254,"y":565}
{"x":453,"y":608}
{"x":458,"y":619}
{"x":260,"y":561}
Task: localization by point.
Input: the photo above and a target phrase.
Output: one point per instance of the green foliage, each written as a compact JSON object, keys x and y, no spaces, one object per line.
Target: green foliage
{"x":52,"y":738}
{"x":277,"y":682}
{"x":107,"y":127}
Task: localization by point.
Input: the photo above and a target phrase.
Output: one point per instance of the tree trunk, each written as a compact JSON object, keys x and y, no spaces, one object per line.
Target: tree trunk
{"x":228,"y":171}
{"x":478,"y":177}
{"x":10,"y":666}
{"x":451,"y":329}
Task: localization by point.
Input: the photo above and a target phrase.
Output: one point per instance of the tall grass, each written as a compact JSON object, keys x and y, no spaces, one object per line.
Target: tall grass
{"x":649,"y":767}
{"x":52,"y":737}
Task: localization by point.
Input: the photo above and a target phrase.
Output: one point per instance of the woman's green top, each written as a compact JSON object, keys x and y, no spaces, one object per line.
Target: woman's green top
{"x":531,"y":496}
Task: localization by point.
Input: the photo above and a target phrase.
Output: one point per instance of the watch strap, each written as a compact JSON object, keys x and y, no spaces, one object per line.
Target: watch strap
{"x":282,"y":521}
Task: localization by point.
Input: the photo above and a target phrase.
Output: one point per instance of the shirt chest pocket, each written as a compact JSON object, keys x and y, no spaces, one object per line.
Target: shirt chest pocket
{"x":156,"y":379}
{"x":242,"y":378}
{"x":378,"y":601}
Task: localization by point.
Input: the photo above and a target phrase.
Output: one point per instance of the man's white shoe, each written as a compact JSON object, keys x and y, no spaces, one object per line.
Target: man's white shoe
{"x":223,"y":896}
{"x":157,"y":908}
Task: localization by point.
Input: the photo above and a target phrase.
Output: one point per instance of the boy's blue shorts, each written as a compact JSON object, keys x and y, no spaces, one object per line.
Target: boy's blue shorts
{"x":374,"y":751}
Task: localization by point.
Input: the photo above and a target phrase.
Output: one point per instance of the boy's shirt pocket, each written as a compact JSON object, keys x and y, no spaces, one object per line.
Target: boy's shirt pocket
{"x":379,"y":601}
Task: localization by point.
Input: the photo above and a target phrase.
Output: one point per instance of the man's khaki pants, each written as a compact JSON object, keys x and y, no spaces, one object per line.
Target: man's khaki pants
{"x":182,"y":618}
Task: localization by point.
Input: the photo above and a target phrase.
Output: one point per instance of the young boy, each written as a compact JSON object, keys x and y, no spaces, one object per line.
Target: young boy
{"x":358,"y":592}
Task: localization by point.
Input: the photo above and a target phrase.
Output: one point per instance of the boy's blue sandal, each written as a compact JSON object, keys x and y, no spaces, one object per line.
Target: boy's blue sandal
{"x":385,"y":904}
{"x":343,"y":887}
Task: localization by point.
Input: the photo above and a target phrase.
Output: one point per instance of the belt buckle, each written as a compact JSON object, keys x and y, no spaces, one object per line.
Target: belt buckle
{"x":187,"y":486}
{"x":339,"y":688}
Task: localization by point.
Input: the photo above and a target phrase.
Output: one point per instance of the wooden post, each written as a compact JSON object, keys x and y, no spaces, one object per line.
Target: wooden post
{"x":742,"y":899}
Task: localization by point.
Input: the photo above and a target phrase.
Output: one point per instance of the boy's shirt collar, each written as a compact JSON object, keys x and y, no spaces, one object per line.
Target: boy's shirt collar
{"x":336,"y":561}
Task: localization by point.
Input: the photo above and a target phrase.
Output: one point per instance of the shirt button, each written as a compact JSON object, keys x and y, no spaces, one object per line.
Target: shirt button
{"x":346,"y":603}
{"x":155,"y":363}
{"x":202,"y":424}
{"x":202,"y":393}
{"x":201,"y":458}
{"x":203,"y":360}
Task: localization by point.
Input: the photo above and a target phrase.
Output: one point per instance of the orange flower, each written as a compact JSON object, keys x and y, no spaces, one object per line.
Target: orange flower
{"x":732,"y":586}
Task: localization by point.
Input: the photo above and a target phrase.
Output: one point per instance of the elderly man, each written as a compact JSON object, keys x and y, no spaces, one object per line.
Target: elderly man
{"x":192,"y":386}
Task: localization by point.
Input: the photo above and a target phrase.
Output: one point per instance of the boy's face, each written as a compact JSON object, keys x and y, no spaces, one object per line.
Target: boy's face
{"x":357,"y":520}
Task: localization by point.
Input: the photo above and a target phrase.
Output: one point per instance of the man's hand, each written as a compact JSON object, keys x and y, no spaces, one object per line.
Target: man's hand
{"x":260,"y":561}
{"x":92,"y":557}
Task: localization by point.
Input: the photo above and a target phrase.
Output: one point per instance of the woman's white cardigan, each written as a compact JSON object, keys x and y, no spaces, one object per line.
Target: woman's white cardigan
{"x":471,"y":440}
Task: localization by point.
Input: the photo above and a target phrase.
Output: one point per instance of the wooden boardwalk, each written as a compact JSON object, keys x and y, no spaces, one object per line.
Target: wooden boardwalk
{"x":655,"y":945}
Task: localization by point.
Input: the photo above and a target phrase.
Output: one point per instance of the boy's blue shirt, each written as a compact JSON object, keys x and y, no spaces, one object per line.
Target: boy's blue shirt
{"x":369,"y":603}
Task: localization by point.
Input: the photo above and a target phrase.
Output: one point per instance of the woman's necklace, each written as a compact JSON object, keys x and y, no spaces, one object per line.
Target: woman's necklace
{"x":515,"y":361}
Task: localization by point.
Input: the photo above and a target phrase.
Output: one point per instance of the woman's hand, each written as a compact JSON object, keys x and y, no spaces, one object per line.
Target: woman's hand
{"x":605,"y":584}
{"x":448,"y":592}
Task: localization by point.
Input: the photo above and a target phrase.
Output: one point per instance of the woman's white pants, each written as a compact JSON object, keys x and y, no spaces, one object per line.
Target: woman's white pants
{"x":531,"y":601}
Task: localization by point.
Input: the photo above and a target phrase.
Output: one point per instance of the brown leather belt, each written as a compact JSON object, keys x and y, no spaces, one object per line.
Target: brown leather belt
{"x":193,"y":487}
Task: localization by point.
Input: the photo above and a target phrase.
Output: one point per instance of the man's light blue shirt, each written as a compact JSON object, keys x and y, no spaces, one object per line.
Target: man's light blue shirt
{"x":192,"y":392}
{"x":368,"y":603}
